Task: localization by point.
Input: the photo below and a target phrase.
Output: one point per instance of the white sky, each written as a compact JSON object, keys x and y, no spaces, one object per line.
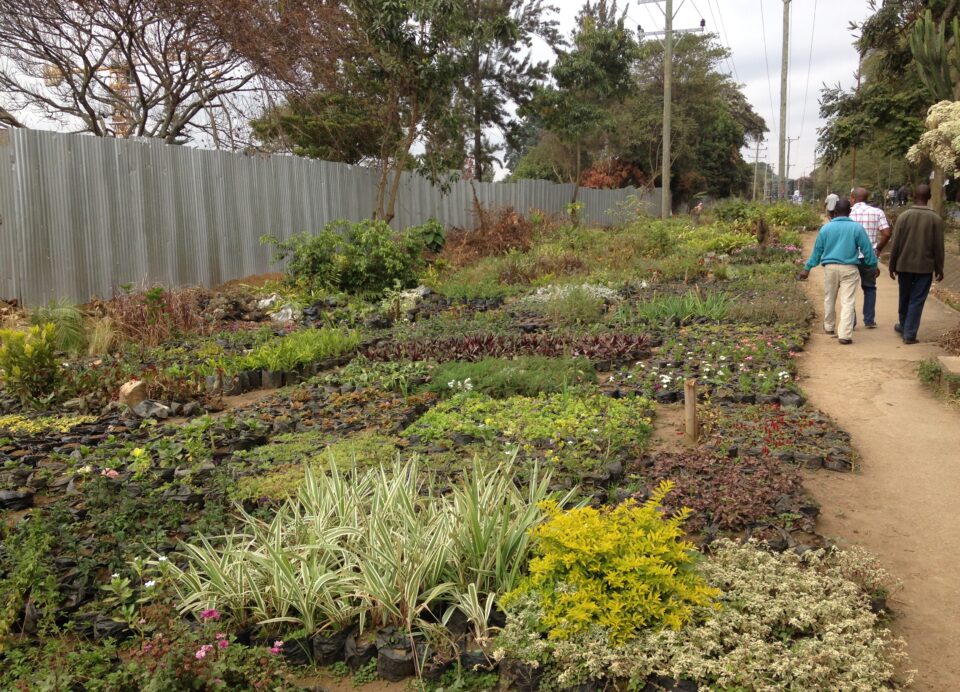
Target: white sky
{"x":822,"y":24}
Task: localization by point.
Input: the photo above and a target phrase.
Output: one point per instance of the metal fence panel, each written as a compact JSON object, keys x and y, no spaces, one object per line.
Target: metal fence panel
{"x":81,"y":216}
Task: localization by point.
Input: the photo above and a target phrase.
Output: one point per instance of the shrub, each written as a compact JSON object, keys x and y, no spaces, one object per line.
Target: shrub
{"x":156,"y":315}
{"x":501,"y":378}
{"x":364,"y":257}
{"x":499,"y":232}
{"x":623,"y":570}
{"x":28,"y":363}
{"x":67,"y":321}
{"x":783,"y":622}
{"x":431,"y":234}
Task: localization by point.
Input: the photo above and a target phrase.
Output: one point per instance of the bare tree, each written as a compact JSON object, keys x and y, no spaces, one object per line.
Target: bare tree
{"x":144,"y":68}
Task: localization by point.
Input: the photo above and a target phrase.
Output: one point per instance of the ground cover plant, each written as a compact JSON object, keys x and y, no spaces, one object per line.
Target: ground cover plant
{"x":792,"y":435}
{"x":779,"y":621}
{"x":502,"y":378}
{"x":447,"y":404}
{"x":581,"y":434}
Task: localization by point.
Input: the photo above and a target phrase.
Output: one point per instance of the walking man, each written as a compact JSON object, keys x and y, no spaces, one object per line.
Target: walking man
{"x":874,"y":222}
{"x":839,"y":245}
{"x":916,"y":255}
{"x":830,"y":202}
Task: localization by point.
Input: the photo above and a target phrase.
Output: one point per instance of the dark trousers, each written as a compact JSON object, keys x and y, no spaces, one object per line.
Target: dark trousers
{"x":913,"y":294}
{"x":868,"y":282}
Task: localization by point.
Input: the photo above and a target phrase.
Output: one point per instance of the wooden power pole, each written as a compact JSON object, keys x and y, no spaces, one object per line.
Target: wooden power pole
{"x":784,"y":64}
{"x":667,"y":33}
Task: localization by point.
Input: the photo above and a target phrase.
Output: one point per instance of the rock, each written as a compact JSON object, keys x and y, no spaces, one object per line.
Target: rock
{"x":792,"y":400}
{"x":77,"y":404}
{"x":16,"y":499}
{"x":840,"y":464}
{"x":148,"y":408}
{"x":615,"y":470}
{"x":288,"y":313}
{"x":133,"y":392}
{"x":190,"y":408}
{"x":808,"y":461}
{"x":269,"y":302}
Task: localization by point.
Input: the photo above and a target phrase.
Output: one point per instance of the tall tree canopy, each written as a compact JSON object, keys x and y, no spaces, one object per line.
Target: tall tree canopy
{"x":146,"y":68}
{"x":712,"y":121}
{"x":890,"y":105}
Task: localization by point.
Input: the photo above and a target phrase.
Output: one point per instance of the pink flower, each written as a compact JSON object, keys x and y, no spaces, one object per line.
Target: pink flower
{"x":110,"y":473}
{"x":202,"y":651}
{"x":223,"y":643}
{"x":749,"y":358}
{"x":211,"y":614}
{"x":277,"y":647}
{"x":221,"y":635}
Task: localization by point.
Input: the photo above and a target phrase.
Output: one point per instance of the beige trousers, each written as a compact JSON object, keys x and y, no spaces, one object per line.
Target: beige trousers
{"x":843,"y":281}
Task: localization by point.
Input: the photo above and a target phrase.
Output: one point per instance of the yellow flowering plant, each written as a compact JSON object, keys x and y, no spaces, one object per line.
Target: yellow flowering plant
{"x":625,"y":570}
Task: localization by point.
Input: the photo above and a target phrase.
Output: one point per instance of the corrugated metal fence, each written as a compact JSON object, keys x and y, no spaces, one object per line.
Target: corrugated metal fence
{"x":81,"y":216}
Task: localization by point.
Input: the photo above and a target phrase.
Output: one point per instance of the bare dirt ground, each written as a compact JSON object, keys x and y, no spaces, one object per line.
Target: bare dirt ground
{"x":902,"y":502}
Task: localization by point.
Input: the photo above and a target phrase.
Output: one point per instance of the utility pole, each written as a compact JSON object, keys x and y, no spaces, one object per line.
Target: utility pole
{"x":784,"y":63}
{"x":668,"y":32}
{"x":766,"y":172}
{"x":665,"y":205}
{"x":756,"y":172}
{"x":790,"y":141}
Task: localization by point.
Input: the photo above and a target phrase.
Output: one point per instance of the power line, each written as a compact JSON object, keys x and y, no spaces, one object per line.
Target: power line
{"x":766,"y":58}
{"x":721,"y":26}
{"x":806,"y":89}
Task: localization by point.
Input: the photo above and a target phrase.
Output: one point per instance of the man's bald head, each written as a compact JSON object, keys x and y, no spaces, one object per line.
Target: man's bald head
{"x":921,"y":193}
{"x":842,"y":209}
{"x":860,"y":194}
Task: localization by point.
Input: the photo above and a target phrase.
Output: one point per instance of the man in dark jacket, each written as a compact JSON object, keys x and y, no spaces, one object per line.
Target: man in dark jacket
{"x":916,"y":255}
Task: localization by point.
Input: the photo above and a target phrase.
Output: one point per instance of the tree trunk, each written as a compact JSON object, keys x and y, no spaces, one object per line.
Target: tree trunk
{"x":936,"y":185}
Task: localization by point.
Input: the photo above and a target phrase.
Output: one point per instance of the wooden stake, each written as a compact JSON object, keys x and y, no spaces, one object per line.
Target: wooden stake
{"x":690,"y":407}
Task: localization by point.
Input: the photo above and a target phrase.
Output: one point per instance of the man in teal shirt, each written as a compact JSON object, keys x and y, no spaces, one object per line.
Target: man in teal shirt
{"x":838,"y":248}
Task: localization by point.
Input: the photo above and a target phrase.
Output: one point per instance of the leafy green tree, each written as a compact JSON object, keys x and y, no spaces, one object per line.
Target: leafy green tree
{"x":589,"y":78}
{"x":498,"y":70}
{"x":712,"y":120}
{"x":905,"y":67}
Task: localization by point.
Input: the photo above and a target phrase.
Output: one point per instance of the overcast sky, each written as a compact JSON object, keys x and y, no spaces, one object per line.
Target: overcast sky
{"x":742,"y":25}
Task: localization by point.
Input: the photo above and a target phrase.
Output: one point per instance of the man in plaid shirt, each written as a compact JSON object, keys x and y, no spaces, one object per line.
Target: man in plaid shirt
{"x":874,"y":222}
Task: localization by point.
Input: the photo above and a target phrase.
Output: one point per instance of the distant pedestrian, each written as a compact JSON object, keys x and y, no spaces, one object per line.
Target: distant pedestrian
{"x":902,"y":195}
{"x":916,"y":255}
{"x":874,"y":222}
{"x":839,"y":245}
{"x":830,"y":202}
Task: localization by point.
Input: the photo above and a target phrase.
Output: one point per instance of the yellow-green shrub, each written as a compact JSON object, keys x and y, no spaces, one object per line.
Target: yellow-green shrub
{"x":624,"y":570}
{"x":28,"y":363}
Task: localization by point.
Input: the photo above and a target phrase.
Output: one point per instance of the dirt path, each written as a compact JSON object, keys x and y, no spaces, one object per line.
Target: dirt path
{"x":903,"y":503}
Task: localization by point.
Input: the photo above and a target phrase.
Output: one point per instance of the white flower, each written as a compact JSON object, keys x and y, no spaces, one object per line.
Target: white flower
{"x":150,"y":584}
{"x":114,"y":576}
{"x":596,"y":430}
{"x":451,"y":383}
{"x":162,"y":558}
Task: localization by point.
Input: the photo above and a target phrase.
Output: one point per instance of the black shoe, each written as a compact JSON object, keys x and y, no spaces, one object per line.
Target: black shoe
{"x":898,"y":329}
{"x":910,"y":342}
{"x":848,"y":341}
{"x":830,"y":332}
{"x":870,"y":325}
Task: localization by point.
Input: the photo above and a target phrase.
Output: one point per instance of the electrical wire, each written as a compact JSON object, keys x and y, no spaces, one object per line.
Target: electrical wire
{"x":766,"y":57}
{"x":723,"y":35}
{"x":806,"y":89}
